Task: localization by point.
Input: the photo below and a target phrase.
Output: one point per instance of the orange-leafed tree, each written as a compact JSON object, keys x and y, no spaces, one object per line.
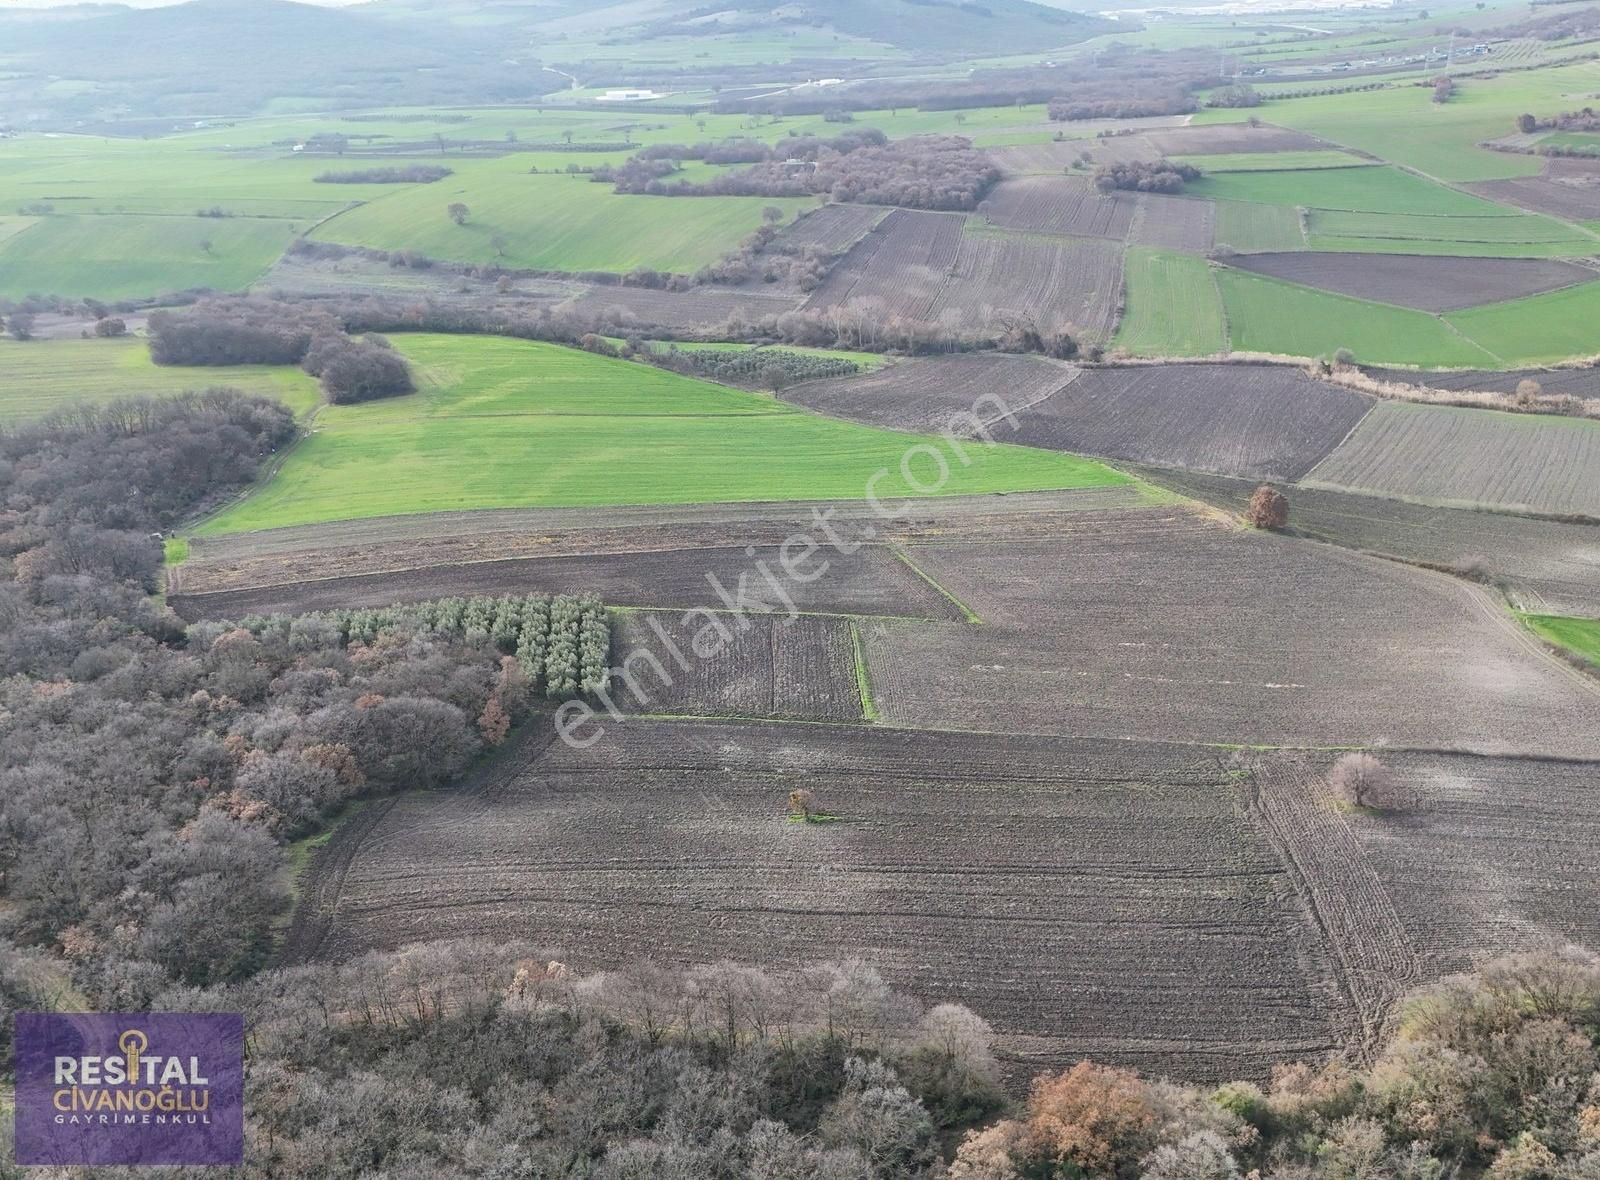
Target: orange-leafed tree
{"x":1093,"y":1117}
{"x":1269,"y":508}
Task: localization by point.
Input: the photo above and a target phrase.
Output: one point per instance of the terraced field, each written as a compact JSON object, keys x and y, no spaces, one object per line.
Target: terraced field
{"x":1470,"y":459}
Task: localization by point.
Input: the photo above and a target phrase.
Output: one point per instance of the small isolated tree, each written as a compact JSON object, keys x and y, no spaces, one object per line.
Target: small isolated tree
{"x":1360,"y":780}
{"x":1343,"y":358}
{"x":1528,"y":392}
{"x":803,"y":803}
{"x":111,"y":326}
{"x":771,"y":214}
{"x":458,"y":212}
{"x":1269,"y":508}
{"x":21,"y":325}
{"x":1527,"y":124}
{"x":206,"y":245}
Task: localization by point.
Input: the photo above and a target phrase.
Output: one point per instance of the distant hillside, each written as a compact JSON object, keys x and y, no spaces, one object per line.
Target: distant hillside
{"x":967,"y":28}
{"x":232,"y":57}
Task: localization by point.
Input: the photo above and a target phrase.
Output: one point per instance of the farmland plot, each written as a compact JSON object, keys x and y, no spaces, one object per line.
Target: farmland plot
{"x":1075,"y":284}
{"x":702,"y":307}
{"x":1171,"y":306}
{"x":394,"y":544}
{"x":1543,"y":565}
{"x":901,"y":266}
{"x":1568,"y":189}
{"x":1166,"y":625}
{"x":868,"y":581}
{"x":768,"y":667}
{"x":1470,"y":459}
{"x":1268,"y":422}
{"x":1247,"y":227}
{"x":1584,"y":382}
{"x":1264,"y":422}
{"x":1054,"y":157}
{"x":998,"y":872}
{"x":1424,"y":282}
{"x":1174,"y":223}
{"x":1497,"y":854}
{"x":1059,"y":205}
{"x":926,"y":393}
{"x":1231,"y":138}
{"x":832,"y":228}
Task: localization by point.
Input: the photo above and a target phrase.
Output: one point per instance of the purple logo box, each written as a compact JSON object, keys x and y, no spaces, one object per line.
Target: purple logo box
{"x":130,"y":1088}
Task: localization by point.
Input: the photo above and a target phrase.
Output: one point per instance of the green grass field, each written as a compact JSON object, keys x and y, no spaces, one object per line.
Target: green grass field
{"x":1373,"y":190}
{"x":506,"y":423}
{"x":1275,"y":161}
{"x":1265,"y":315}
{"x":551,"y":222}
{"x":1254,"y":229}
{"x":123,"y":257}
{"x":1173,"y":307}
{"x":1580,"y":636}
{"x":44,"y":375}
{"x":1518,"y":235}
{"x":1538,"y":329}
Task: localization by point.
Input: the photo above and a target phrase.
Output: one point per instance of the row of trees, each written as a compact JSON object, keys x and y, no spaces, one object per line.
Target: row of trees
{"x":536,"y":629}
{"x":497,"y":1059}
{"x":396,"y":174}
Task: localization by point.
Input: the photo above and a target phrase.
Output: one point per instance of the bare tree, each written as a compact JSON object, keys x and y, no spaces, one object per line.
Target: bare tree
{"x":1360,"y":780}
{"x":458,"y":212}
{"x":803,"y":803}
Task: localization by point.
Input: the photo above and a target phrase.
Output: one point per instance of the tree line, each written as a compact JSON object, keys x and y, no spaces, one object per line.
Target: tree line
{"x":922,"y":172}
{"x":257,"y":332}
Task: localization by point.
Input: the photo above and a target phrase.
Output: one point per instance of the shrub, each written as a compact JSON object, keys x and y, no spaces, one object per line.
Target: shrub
{"x":409,"y":174}
{"x":1360,"y":780}
{"x":111,"y":326}
{"x":1269,"y":508}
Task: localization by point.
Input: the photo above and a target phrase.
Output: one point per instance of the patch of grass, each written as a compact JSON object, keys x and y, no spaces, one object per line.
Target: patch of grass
{"x":1266,"y":315}
{"x":552,"y":222}
{"x":869,"y":703}
{"x":1400,"y":232}
{"x":1275,"y":161}
{"x":1258,"y":229}
{"x":1173,"y":306}
{"x":1373,"y":190}
{"x":44,"y":375}
{"x":1579,"y":636}
{"x":175,"y":550}
{"x":125,"y":257}
{"x":1539,"y":328}
{"x":508,"y":423}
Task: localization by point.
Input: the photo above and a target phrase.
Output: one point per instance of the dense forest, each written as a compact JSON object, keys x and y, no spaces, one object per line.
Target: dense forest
{"x":922,"y":172}
{"x":150,"y":772}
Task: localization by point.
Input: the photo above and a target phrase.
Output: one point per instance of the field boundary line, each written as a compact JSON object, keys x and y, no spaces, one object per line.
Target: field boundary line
{"x":967,"y":612}
{"x":869,"y":704}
